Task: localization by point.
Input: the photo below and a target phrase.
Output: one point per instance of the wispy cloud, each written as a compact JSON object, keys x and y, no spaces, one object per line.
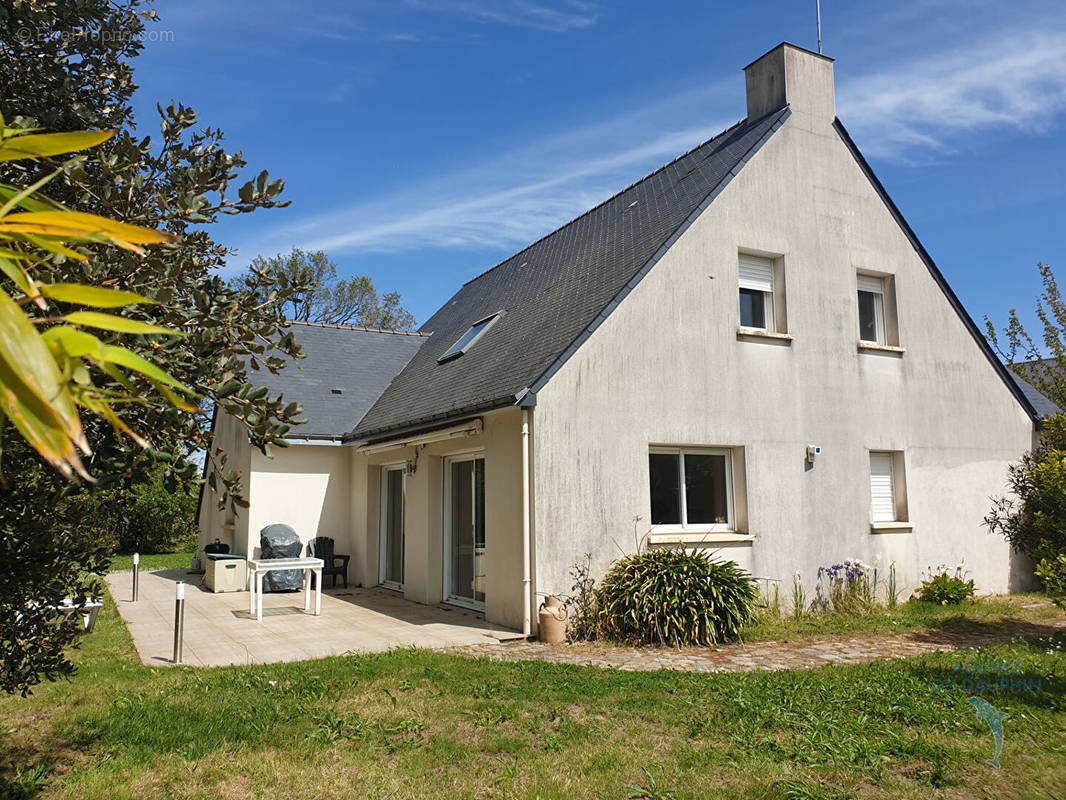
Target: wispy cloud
{"x":910,"y":111}
{"x":518,"y":196}
{"x":907,"y":112}
{"x":558,"y":17}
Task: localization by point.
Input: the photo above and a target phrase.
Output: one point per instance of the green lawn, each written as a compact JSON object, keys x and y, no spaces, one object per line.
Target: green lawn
{"x":154,"y":562}
{"x":911,"y":617}
{"x":414,"y":724}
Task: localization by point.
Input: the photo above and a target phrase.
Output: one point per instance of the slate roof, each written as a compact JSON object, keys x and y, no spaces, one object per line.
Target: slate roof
{"x":359,"y":362}
{"x":1044,"y":406}
{"x":557,"y":290}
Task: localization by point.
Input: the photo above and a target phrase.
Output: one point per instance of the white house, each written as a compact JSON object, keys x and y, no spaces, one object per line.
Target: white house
{"x":747,"y":350}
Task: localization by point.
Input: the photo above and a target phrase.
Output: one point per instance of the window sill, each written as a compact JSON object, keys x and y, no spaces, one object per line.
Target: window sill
{"x":873,"y":347}
{"x":700,"y":537}
{"x":891,"y":527}
{"x":763,"y":334}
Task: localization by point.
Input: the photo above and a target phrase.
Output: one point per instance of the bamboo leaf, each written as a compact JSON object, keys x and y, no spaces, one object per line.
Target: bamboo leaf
{"x":74,"y":342}
{"x":173,"y":398}
{"x":34,"y":397}
{"x":18,"y":276}
{"x":92,"y":295}
{"x":130,"y":360}
{"x":91,"y":224}
{"x":111,"y":322}
{"x":39,"y":145}
{"x":24,"y":197}
{"x":52,"y":246}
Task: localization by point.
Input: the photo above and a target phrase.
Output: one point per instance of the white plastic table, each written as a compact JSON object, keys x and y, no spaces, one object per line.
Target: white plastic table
{"x":258,"y":567}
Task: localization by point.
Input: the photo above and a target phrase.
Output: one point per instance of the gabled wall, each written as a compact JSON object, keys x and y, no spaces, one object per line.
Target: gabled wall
{"x":224,"y":525}
{"x":667,"y":367}
{"x":304,"y":486}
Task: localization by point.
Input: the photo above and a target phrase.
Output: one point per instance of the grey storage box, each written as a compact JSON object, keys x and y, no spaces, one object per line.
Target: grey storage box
{"x":225,"y":573}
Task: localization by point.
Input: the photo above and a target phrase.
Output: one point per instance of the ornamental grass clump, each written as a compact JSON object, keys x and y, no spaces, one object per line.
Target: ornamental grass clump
{"x":675,"y":597}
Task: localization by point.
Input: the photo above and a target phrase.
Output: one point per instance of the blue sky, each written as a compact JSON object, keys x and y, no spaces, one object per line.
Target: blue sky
{"x":422,"y":142}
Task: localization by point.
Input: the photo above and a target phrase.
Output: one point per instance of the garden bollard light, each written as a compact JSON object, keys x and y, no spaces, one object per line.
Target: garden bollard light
{"x":136,"y":575}
{"x":179,"y":619}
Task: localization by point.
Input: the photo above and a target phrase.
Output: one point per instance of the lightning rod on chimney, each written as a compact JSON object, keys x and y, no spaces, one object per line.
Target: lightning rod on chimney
{"x":818,"y":14}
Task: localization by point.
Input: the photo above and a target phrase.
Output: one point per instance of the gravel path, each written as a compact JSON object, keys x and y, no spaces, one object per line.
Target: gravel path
{"x":748,"y":657}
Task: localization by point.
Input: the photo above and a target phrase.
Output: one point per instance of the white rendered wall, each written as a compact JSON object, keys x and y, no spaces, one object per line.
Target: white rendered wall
{"x":667,"y":367}
{"x":304,"y":486}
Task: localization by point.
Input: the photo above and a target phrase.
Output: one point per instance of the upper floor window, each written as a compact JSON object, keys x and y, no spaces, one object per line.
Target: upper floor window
{"x":871,"y":309}
{"x":691,"y":488}
{"x":762,"y":296}
{"x":756,"y":279}
{"x":467,"y":340}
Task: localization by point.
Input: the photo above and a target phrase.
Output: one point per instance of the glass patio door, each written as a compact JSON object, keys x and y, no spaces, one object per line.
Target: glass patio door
{"x":464,"y":493}
{"x":392,"y":525}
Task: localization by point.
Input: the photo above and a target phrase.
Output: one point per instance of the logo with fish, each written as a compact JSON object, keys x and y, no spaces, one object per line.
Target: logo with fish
{"x":975,"y":677}
{"x":993,"y":718}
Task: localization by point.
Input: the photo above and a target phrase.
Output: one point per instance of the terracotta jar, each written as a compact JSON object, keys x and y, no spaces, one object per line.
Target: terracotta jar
{"x":552,"y":618}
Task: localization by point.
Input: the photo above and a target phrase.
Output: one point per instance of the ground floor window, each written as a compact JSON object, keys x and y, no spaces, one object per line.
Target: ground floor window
{"x":691,"y":488}
{"x":888,"y":489}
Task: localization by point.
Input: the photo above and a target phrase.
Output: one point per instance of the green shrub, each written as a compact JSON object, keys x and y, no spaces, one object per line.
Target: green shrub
{"x":944,"y":588}
{"x":1052,"y":573}
{"x":1033,"y":517}
{"x":584,"y":618}
{"x":674,"y":597}
{"x":147,"y":516}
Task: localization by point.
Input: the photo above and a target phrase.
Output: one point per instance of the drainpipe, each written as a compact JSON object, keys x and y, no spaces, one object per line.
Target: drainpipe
{"x":527,"y":622}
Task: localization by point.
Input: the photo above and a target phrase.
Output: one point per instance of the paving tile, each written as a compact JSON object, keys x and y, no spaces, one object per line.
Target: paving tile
{"x":218,"y":630}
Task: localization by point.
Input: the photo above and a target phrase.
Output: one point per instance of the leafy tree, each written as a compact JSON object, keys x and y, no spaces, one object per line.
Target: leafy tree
{"x":325,"y":297}
{"x":73,"y":72}
{"x":1033,"y":519}
{"x":1043,"y":367}
{"x":144,"y":517}
{"x":45,"y":376}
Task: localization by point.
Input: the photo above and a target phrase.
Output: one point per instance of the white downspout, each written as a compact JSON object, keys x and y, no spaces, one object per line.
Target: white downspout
{"x":527,"y":605}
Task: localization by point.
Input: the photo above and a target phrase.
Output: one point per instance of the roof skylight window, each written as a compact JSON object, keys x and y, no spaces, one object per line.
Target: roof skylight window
{"x":467,"y":340}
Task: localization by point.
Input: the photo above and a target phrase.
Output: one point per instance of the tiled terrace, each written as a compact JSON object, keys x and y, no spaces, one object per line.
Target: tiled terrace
{"x":220,"y":631}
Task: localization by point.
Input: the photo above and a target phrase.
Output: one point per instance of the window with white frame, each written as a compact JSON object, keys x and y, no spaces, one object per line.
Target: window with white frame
{"x":887,"y":487}
{"x":756,"y":279}
{"x":872,"y":327}
{"x":691,"y":489}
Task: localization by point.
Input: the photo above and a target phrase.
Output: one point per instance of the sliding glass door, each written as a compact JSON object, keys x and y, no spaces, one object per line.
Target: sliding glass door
{"x":392,"y":534}
{"x":464,"y":520}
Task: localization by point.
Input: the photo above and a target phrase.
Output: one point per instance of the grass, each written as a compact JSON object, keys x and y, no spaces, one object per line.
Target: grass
{"x":414,"y":724}
{"x":154,"y":562}
{"x":911,"y":617}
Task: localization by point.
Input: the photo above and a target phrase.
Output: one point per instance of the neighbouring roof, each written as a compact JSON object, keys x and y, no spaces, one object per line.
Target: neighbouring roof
{"x":359,"y":362}
{"x":1044,"y":406}
{"x":557,"y":290}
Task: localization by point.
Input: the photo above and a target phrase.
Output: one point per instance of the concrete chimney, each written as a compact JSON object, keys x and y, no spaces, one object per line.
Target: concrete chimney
{"x":794,"y":77}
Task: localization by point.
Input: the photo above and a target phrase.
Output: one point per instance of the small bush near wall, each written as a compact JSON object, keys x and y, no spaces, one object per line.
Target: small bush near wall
{"x":584,"y":622}
{"x":675,"y":597}
{"x":944,"y":588}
